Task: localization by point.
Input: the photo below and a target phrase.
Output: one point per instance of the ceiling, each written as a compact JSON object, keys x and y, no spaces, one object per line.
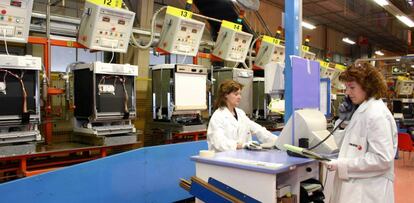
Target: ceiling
{"x":360,"y":18}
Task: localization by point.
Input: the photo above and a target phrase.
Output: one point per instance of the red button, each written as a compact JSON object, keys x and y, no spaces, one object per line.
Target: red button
{"x":3,"y":12}
{"x":113,"y":29}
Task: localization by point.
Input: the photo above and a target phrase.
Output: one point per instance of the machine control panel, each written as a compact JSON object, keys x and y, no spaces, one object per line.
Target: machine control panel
{"x":109,"y":68}
{"x":405,"y":87}
{"x":106,"y":29}
{"x":15,"y":18}
{"x":180,"y":35}
{"x":305,"y":53}
{"x":184,"y":68}
{"x":232,"y":44}
{"x":271,"y":50}
{"x":20,"y":62}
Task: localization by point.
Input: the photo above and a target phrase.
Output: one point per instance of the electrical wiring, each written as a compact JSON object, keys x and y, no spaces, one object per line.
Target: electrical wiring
{"x":153,"y":20}
{"x":113,"y":53}
{"x":5,"y":41}
{"x":123,"y":81}
{"x":20,"y":79}
{"x":250,"y":51}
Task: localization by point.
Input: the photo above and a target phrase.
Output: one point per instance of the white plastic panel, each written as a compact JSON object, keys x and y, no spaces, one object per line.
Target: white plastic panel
{"x":106,"y":29}
{"x":20,"y":62}
{"x":15,"y":18}
{"x":232,"y":45}
{"x":181,"y":35}
{"x":190,"y":91}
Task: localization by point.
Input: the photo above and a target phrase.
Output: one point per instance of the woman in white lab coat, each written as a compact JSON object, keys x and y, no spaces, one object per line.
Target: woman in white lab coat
{"x":229,"y":127}
{"x":365,"y":165}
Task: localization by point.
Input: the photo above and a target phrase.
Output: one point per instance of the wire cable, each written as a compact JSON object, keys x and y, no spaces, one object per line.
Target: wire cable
{"x":327,"y":137}
{"x":24,"y":92}
{"x":113,"y":53}
{"x":250,"y":51}
{"x":5,"y":41}
{"x":153,"y":20}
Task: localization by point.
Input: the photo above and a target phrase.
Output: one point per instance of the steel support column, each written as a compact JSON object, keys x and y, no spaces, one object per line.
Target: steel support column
{"x":293,"y":36}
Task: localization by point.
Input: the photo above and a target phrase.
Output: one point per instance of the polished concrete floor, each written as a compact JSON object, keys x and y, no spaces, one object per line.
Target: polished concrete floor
{"x":404,"y":178}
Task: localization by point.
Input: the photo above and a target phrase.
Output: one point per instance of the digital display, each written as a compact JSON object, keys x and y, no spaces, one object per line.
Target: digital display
{"x":106,"y":19}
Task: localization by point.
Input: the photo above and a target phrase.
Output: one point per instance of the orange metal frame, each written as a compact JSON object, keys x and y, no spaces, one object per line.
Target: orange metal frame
{"x":48,"y":127}
{"x":24,"y":169}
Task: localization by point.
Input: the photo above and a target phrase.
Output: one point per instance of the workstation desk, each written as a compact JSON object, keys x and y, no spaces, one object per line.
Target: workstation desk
{"x":257,"y":173}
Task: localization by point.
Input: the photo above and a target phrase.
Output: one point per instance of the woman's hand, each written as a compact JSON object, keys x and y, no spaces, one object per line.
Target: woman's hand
{"x":331,"y":165}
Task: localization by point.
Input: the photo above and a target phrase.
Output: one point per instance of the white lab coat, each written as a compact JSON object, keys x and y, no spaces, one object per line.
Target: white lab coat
{"x":365,"y":170}
{"x":224,"y":131}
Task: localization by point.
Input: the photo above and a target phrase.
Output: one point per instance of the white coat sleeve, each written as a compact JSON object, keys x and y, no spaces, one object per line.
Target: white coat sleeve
{"x":217,"y":138}
{"x":379,"y":157}
{"x":262,"y":134}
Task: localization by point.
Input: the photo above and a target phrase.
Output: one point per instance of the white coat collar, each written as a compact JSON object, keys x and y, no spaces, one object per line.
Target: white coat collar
{"x":229,"y":115}
{"x":362,"y":107}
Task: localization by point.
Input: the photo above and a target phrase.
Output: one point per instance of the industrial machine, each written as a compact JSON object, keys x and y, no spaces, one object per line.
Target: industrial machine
{"x":180,"y":34}
{"x":403,"y":110}
{"x":271,"y":50}
{"x":267,"y":94}
{"x":309,"y":124}
{"x":328,"y":72}
{"x":105,"y":28}
{"x":404,"y":86}
{"x":15,"y":20}
{"x":243,"y":76}
{"x":179,"y":96}
{"x":104,"y":97}
{"x":260,"y":101}
{"x":305,"y":53}
{"x":19,"y":100}
{"x":232,"y":43}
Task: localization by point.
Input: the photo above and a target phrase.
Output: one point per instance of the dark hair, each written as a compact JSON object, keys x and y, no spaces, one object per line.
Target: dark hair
{"x":370,"y":79}
{"x":225,"y":88}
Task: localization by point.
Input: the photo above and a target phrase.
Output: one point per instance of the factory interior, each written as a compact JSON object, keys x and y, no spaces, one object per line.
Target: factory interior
{"x":278,"y":101}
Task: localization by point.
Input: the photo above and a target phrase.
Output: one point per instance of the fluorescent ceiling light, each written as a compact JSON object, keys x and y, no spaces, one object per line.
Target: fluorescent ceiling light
{"x":308,"y":25}
{"x":379,"y":53}
{"x":382,"y":2}
{"x":347,"y":40}
{"x":406,"y":20}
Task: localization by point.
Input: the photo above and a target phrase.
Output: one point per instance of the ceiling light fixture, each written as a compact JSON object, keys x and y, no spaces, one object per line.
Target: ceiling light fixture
{"x":382,"y":2}
{"x":347,"y":40}
{"x":406,"y":20}
{"x":308,"y":25}
{"x":379,"y":53}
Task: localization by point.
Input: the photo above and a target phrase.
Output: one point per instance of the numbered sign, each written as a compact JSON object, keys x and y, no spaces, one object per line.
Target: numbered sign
{"x":271,"y":40}
{"x":179,"y":12}
{"x":324,"y":63}
{"x":233,"y":26}
{"x":340,"y":67}
{"x":305,"y":48}
{"x":109,"y":3}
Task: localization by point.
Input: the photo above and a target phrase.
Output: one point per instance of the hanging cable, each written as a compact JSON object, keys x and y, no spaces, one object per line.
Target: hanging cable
{"x":5,"y":41}
{"x":113,"y":53}
{"x":250,"y":51}
{"x":153,"y":20}
{"x":123,"y":81}
{"x":20,"y":79}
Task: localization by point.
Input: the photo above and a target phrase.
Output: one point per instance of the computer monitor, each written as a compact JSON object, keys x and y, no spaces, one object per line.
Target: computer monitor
{"x":311,"y":124}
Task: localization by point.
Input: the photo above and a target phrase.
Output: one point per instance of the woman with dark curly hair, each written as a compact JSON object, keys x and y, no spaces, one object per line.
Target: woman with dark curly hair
{"x":365,"y":165}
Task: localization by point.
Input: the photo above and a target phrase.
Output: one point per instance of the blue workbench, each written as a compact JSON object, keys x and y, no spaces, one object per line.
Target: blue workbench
{"x":257,"y":173}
